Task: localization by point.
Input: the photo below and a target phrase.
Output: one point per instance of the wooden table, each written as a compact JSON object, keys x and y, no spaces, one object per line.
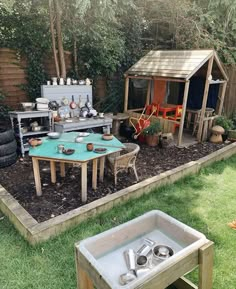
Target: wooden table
{"x":48,"y":152}
{"x":165,"y":108}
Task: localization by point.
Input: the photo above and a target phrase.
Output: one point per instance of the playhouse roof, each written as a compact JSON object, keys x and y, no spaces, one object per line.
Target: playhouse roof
{"x":174,"y":63}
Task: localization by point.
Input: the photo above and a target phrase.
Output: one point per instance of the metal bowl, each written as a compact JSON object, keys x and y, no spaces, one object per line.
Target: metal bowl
{"x":27,"y":106}
{"x":54,"y":135}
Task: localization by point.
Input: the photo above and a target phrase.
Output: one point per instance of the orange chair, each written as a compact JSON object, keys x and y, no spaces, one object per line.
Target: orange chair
{"x":177,"y":116}
{"x":152,"y":109}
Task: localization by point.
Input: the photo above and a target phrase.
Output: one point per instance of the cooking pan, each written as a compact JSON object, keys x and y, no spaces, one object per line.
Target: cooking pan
{"x":88,"y":104}
{"x":73,"y":103}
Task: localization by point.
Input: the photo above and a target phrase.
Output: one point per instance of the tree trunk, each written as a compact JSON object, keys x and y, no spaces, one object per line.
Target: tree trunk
{"x":53,"y":39}
{"x":76,"y":58}
{"x":59,"y":38}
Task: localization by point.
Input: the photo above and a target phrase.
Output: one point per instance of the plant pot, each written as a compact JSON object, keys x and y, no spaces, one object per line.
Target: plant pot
{"x":90,"y":147}
{"x":152,"y":140}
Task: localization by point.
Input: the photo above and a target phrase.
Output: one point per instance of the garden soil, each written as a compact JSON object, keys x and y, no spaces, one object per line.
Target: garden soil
{"x":64,"y":196}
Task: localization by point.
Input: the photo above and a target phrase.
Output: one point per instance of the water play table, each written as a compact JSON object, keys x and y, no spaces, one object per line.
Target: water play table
{"x":100,"y":260}
{"x":48,"y":152}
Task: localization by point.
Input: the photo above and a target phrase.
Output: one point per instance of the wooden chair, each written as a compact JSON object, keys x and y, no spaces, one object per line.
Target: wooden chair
{"x":125,"y":162}
{"x":177,"y":116}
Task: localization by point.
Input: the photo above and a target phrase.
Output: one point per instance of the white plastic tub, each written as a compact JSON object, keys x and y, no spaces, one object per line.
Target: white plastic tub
{"x":105,"y":251}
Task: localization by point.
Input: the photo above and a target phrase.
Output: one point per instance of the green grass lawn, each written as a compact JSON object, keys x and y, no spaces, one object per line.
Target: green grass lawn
{"x":206,"y":202}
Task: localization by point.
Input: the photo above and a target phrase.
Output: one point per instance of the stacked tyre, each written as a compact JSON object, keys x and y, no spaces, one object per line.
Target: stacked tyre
{"x":8,"y":146}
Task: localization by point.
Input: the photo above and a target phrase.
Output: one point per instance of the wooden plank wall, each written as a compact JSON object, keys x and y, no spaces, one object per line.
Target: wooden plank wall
{"x":230,"y":96}
{"x":12,"y":75}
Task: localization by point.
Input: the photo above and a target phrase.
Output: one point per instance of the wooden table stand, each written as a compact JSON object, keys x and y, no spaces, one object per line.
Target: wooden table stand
{"x":89,"y":278}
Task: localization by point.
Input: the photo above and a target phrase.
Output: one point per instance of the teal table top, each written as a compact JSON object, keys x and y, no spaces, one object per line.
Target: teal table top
{"x":48,"y":149}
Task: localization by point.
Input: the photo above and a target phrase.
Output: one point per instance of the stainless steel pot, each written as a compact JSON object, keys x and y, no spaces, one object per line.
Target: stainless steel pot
{"x":37,"y":128}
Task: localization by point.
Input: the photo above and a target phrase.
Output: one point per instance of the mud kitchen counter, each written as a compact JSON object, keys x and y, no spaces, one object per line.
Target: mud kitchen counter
{"x":78,"y":124}
{"x":163,"y":250}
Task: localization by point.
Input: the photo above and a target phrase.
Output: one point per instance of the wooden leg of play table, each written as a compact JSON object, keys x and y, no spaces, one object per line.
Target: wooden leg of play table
{"x":95,"y":172}
{"x":37,"y":176}
{"x":101,"y":173}
{"x":84,"y":282}
{"x":62,"y":169}
{"x":84,"y":182}
{"x":206,"y":266}
{"x":184,"y":283}
{"x":53,"y":172}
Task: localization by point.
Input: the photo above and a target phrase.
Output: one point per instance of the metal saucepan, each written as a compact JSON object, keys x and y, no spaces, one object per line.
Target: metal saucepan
{"x":37,"y":128}
{"x":73,"y":103}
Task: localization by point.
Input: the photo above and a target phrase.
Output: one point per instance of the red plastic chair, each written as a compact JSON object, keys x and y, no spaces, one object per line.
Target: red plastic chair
{"x":152,"y":109}
{"x":177,"y":116}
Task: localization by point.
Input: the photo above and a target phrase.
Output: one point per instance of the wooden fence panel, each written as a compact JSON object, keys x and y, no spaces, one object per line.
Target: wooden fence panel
{"x":12,"y":75}
{"x":230,"y":96}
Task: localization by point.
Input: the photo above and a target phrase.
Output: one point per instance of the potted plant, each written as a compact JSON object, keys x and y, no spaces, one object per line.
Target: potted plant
{"x":232,"y":131}
{"x":152,"y":133}
{"x":226,"y":123}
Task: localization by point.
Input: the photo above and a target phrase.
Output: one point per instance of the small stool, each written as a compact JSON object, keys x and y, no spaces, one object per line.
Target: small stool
{"x":117,"y":119}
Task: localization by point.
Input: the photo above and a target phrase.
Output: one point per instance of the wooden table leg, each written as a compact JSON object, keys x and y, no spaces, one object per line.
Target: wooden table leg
{"x":37,"y":176}
{"x":101,"y":168}
{"x":84,"y":182}
{"x":62,"y":169}
{"x":206,"y":266}
{"x":94,"y":177}
{"x":53,"y":171}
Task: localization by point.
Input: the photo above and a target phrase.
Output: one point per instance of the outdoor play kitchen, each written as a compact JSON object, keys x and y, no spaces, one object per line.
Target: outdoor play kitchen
{"x":64,"y":127}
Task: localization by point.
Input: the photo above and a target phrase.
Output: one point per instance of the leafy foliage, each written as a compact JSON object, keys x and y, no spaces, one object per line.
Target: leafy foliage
{"x":153,"y":129}
{"x":225,"y":122}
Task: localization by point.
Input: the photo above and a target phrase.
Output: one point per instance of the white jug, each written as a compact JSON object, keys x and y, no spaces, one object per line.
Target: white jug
{"x":61,"y":82}
{"x":54,"y":80}
{"x":68,"y":81}
{"x":87,"y":81}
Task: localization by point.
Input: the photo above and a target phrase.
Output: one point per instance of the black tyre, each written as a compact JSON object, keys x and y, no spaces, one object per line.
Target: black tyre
{"x":8,"y":148}
{"x":6,"y":161}
{"x":6,"y":136}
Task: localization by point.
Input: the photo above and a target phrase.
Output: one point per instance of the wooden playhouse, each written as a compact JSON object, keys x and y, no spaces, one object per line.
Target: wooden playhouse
{"x":190,"y":70}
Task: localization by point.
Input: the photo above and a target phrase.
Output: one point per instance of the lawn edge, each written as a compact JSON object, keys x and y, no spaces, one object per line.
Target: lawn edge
{"x":35,"y":232}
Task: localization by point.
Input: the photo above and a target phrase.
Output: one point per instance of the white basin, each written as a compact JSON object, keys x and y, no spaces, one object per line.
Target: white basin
{"x":105,"y":251}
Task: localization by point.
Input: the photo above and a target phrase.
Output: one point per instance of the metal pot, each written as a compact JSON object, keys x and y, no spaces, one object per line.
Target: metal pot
{"x":24,"y":130}
{"x":37,"y":128}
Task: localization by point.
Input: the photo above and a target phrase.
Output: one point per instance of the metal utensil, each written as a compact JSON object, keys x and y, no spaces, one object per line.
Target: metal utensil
{"x":130,"y":260}
{"x":127,"y":278}
{"x":88,"y":104}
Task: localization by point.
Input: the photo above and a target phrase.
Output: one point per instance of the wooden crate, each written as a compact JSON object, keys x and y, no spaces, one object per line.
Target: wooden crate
{"x":166,"y":124}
